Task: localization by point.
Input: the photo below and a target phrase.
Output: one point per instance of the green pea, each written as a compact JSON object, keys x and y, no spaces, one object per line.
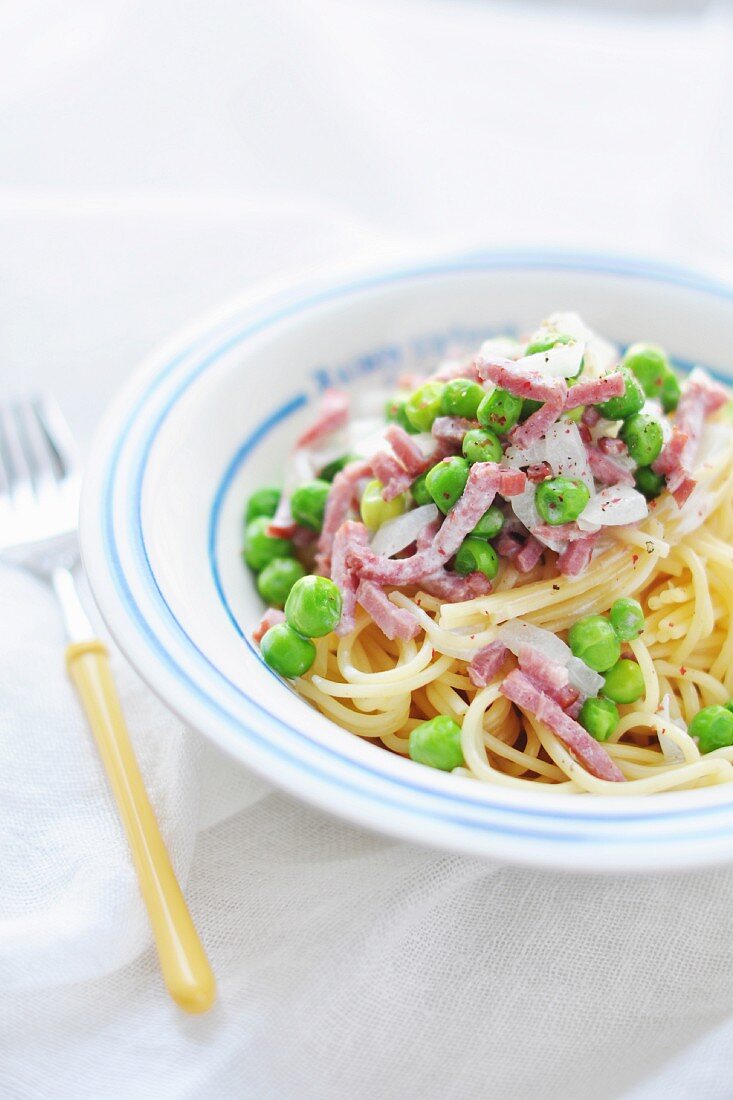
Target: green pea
{"x":500,"y":411}
{"x":713,"y":728}
{"x":286,"y":652}
{"x":423,"y":406}
{"x":313,"y":607}
{"x":329,"y":471}
{"x":671,"y":392}
{"x":437,"y":743}
{"x":420,"y":491}
{"x":561,"y":499}
{"x":308,"y":503}
{"x":729,"y":705}
{"x":642,"y":434}
{"x":543,"y":342}
{"x":446,"y":481}
{"x":462,"y":397}
{"x":490,"y":524}
{"x":628,"y":403}
{"x":650,"y":365}
{"x":481,"y":445}
{"x":627,"y":618}
{"x":594,"y":640}
{"x":264,"y":502}
{"x":624,"y":683}
{"x":277,"y":578}
{"x":260,"y":548}
{"x":600,"y":717}
{"x":395,"y":413}
{"x":529,"y":406}
{"x":374,"y":510}
{"x":649,"y":483}
{"x":475,"y":555}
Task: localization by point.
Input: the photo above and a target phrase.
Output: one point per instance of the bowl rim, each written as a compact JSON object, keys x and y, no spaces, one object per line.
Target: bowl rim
{"x":558,"y":831}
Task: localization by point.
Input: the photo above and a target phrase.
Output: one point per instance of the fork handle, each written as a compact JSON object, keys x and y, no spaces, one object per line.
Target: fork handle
{"x":185,"y":967}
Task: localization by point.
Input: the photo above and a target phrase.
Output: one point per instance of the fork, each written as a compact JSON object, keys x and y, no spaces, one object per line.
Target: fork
{"x":39,"y":496}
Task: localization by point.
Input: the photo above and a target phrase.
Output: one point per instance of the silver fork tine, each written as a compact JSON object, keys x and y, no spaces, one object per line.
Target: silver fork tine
{"x":42,"y":458}
{"x":19,"y":473}
{"x":58,"y":433}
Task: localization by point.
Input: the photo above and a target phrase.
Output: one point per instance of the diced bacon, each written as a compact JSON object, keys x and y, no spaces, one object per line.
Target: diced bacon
{"x":529,"y":555}
{"x":595,"y":391}
{"x":397,"y":485}
{"x":454,"y":588}
{"x":428,"y":533}
{"x":607,"y":470}
{"x":518,"y":380}
{"x":451,"y":429}
{"x":486,"y":663}
{"x":271,"y":618}
{"x":590,"y":753}
{"x":540,"y":471}
{"x":548,"y":675}
{"x":410,"y":380}
{"x":682,"y":491}
{"x":701,"y":397}
{"x":575,"y":558}
{"x":485,"y":480}
{"x":406,"y":450}
{"x":455,"y":369}
{"x":394,"y":622}
{"x":333,"y":414}
{"x":609,"y":446}
{"x":303,"y":538}
{"x":591,"y":415}
{"x":562,"y":532}
{"x":386,"y":467}
{"x":535,"y":426}
{"x":508,"y":545}
{"x":282,"y":525}
{"x":670,"y":458}
{"x":348,"y":536}
{"x":338,"y":505}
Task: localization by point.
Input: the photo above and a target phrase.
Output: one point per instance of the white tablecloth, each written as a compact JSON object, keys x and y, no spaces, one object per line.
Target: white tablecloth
{"x":153,"y":158}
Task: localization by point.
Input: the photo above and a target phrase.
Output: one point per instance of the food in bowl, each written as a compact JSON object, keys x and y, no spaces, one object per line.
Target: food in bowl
{"x":520,"y":571}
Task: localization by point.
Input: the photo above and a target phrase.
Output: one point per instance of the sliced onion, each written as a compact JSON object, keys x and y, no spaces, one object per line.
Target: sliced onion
{"x":398,"y":533}
{"x":366,"y":435}
{"x":524,"y":508}
{"x":714,"y":440}
{"x":565,"y":452}
{"x":518,"y":457}
{"x":562,"y":361}
{"x":516,"y":634}
{"x":694,"y":511}
{"x":671,"y":751}
{"x":569,"y":324}
{"x":615,"y":506}
{"x":600,"y":356}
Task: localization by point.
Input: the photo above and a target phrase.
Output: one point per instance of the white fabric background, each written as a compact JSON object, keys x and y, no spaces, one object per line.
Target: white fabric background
{"x":153,"y":158}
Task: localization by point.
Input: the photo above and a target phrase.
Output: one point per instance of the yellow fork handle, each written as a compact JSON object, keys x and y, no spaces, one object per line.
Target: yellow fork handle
{"x":186,"y":969}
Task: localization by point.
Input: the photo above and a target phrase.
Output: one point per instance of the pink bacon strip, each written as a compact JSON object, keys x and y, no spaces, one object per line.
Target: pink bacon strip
{"x":394,"y":622}
{"x":338,"y":506}
{"x":487,"y":663}
{"x":451,"y":429}
{"x":485,"y":480}
{"x":700,"y":398}
{"x":406,"y":450}
{"x":607,"y":470}
{"x":333,"y":414}
{"x":348,"y":536}
{"x":271,"y":618}
{"x":591,"y":755}
{"x":594,"y":392}
{"x":454,"y":588}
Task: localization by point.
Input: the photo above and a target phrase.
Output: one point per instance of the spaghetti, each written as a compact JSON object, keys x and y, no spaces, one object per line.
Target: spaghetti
{"x":422,"y":648}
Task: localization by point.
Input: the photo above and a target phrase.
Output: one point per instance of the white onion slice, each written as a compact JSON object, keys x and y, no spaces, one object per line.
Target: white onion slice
{"x":562,"y":361}
{"x":694,"y":511}
{"x":531,"y":455}
{"x":516,"y":634}
{"x":600,"y":356}
{"x":569,"y":324}
{"x":565,"y":453}
{"x":615,"y":506}
{"x":671,"y":751}
{"x":396,"y":534}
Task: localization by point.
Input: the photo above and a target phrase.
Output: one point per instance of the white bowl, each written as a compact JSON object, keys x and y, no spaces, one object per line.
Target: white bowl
{"x":207,"y":419}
